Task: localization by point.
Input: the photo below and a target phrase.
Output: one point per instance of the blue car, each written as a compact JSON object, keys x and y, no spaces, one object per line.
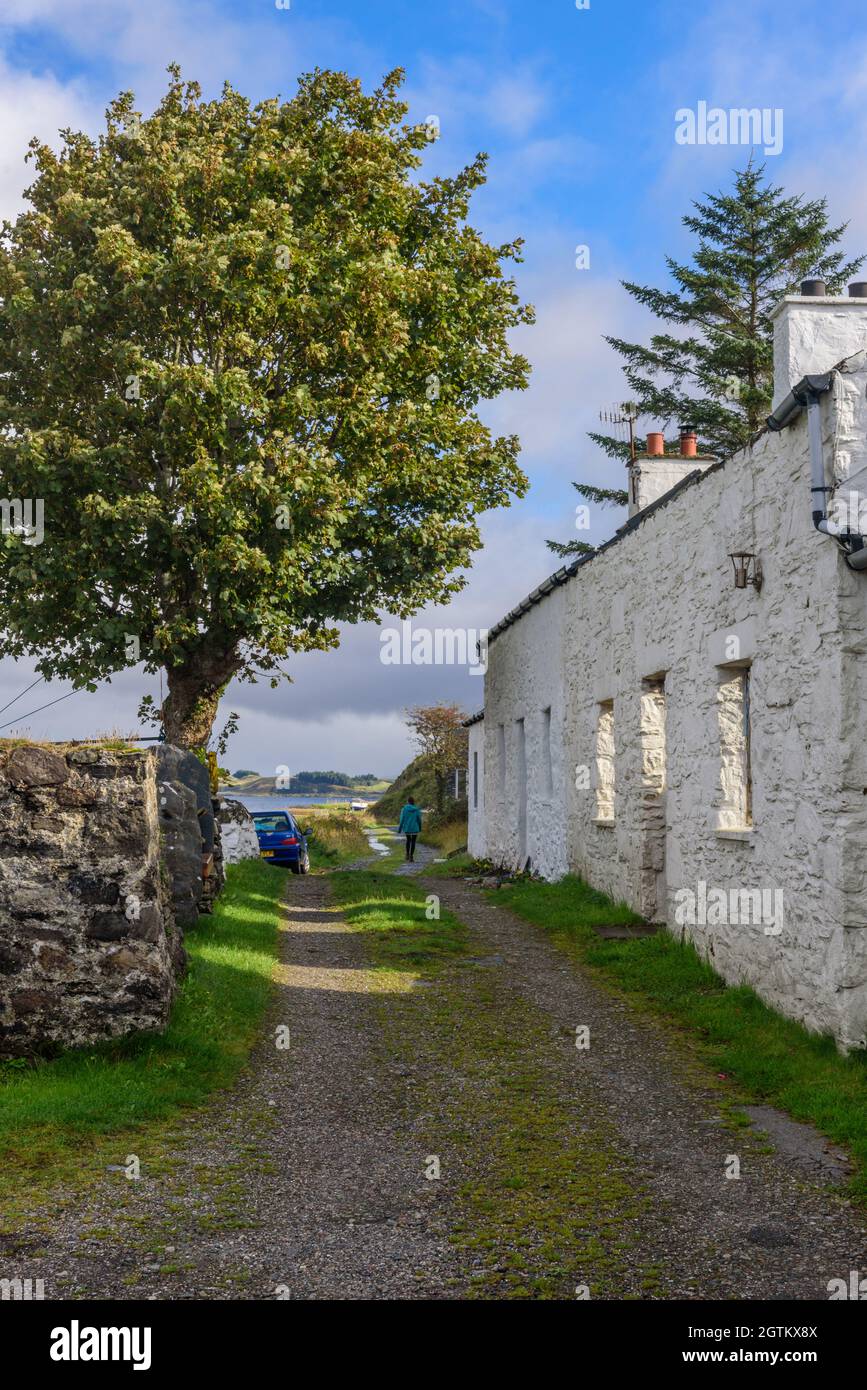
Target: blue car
{"x":282,"y":841}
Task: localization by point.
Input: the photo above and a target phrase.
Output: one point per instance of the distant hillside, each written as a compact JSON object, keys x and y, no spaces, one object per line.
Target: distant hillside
{"x":306,"y":784}
{"x":413,"y":781}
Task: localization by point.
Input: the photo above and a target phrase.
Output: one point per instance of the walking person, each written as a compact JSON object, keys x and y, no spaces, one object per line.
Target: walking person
{"x":410,"y":825}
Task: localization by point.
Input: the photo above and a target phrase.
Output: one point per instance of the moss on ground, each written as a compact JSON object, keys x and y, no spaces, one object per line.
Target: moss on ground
{"x":546,"y":1202}
{"x":762,"y":1056}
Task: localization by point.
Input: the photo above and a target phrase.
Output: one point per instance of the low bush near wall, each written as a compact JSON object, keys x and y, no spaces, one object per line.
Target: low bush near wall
{"x":51,"y":1112}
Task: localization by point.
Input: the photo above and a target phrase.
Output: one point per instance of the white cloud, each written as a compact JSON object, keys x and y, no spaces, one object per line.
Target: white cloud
{"x":32,"y":105}
{"x":466,"y":94}
{"x":516,"y":103}
{"x":133,"y":43}
{"x":575,"y":373}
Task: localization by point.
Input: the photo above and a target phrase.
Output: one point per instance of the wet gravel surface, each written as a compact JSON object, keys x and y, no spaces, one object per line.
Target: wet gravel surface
{"x":390,"y":837}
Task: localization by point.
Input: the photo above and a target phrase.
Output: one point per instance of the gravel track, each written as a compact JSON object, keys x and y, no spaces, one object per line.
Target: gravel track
{"x":299,"y":1183}
{"x":307,"y":1179}
{"x":773,"y":1233}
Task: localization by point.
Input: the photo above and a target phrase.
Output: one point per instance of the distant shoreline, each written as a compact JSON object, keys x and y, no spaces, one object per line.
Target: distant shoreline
{"x":264,"y":786}
{"x":334,"y":793}
{"x":268,"y":801}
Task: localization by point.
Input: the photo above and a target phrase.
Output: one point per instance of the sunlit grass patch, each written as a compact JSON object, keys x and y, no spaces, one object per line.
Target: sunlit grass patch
{"x":395,"y":913}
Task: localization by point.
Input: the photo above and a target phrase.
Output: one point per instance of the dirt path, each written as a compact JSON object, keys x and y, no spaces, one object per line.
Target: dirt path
{"x":557,"y":1168}
{"x":302,"y":1182}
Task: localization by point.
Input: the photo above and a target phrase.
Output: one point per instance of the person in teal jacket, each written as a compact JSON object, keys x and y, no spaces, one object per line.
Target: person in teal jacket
{"x":410,"y":825}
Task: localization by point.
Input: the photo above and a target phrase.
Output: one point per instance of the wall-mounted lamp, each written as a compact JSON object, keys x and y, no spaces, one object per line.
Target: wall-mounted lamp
{"x":748,"y":569}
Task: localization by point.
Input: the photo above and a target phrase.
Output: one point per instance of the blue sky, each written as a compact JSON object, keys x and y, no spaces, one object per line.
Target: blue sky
{"x":576,"y":109}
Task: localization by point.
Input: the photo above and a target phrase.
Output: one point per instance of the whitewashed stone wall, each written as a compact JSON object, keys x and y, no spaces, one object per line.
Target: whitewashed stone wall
{"x":660,"y":606}
{"x":813,"y":334}
{"x":651,"y":478}
{"x":526,"y":678}
{"x":237,"y":831}
{"x":477,"y":836}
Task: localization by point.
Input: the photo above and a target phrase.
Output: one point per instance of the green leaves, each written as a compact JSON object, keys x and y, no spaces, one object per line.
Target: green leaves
{"x":222,"y":310}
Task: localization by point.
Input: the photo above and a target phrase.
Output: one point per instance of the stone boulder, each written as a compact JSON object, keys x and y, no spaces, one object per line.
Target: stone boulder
{"x":193,"y":852}
{"x":237,"y":831}
{"x":179,"y":765}
{"x":182,"y":850}
{"x":89,"y":947}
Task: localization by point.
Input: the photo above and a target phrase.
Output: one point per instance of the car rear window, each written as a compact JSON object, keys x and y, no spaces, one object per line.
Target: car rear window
{"x":273,"y":823}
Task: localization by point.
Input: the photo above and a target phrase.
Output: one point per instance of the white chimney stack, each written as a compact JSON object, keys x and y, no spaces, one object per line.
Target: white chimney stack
{"x":654,"y":473}
{"x":813,"y":332}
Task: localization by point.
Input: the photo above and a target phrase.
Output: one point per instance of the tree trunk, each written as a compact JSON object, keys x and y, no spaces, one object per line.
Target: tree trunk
{"x":190,"y":708}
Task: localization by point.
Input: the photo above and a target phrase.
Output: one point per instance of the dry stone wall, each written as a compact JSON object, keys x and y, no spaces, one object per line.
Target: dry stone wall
{"x":106,"y":856}
{"x":88,"y":945}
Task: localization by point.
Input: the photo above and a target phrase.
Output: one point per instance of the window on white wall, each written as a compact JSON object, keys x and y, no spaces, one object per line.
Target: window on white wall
{"x":605,"y":762}
{"x":653,"y":735}
{"x":736,"y":775}
{"x":521,"y":798}
{"x":547,"y":766}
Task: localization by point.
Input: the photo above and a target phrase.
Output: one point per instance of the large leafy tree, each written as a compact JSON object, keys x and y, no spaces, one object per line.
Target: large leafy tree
{"x":755,"y":244}
{"x":241,"y":351}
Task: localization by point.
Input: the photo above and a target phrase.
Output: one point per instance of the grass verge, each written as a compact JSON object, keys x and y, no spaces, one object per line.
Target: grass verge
{"x":447,"y":835}
{"x":769,"y":1058}
{"x":52,"y":1113}
{"x":393,"y":913}
{"x":458,"y":866}
{"x":339,"y":838}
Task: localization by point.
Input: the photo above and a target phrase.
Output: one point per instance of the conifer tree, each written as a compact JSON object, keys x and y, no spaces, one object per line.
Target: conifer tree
{"x":714,"y":370}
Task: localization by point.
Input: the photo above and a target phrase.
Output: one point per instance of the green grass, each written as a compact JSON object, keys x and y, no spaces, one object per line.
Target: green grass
{"x":458,"y":866}
{"x":767,"y":1057}
{"x":393,"y":912}
{"x":447,"y":835}
{"x":52,"y":1113}
{"x":338,"y":840}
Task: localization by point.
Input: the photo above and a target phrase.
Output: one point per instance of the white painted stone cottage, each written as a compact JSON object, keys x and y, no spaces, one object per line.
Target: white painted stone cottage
{"x":692,"y":741}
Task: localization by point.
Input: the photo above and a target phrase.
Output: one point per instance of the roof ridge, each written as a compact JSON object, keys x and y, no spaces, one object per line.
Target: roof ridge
{"x":567,"y":572}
